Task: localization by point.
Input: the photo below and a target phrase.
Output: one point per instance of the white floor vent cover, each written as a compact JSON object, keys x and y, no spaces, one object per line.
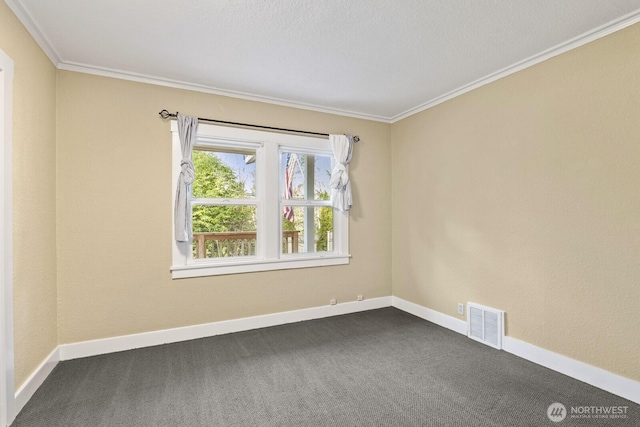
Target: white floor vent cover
{"x":485,"y":324}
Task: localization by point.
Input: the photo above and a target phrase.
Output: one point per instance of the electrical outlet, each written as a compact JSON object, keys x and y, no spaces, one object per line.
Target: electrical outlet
{"x":359,"y":298}
{"x":461,"y":309}
{"x":333,"y":301}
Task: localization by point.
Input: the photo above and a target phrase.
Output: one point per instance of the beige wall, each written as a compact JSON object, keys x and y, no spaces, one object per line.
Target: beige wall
{"x":524,"y":195}
{"x":34,"y":203}
{"x":114,"y":193}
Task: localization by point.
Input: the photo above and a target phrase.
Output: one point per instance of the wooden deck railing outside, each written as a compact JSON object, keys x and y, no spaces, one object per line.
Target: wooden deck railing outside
{"x":236,"y":243}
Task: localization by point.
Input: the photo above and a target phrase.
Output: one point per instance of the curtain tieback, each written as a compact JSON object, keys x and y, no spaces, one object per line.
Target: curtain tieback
{"x":339,"y":177}
{"x":187,"y":173}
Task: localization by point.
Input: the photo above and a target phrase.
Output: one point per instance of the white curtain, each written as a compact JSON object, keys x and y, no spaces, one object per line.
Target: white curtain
{"x":342,"y":146}
{"x":187,"y":129}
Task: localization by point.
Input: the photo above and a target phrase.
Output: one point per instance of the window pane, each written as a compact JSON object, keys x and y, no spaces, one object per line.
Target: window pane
{"x":224,"y":231}
{"x":224,"y":173}
{"x":305,"y":176}
{"x":307,"y":229}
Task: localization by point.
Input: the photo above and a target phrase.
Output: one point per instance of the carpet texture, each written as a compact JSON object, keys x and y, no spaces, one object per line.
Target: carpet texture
{"x":377,"y":368}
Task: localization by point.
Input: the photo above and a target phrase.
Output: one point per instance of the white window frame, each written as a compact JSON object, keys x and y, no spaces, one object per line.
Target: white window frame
{"x":268,"y":201}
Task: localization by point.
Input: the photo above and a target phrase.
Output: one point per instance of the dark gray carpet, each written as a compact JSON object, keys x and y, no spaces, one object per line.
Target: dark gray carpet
{"x":377,"y":368}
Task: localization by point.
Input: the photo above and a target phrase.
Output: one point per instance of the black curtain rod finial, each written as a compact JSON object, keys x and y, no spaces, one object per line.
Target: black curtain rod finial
{"x":165,"y":114}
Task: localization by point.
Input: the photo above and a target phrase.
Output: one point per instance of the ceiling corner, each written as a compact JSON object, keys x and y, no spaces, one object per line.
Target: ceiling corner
{"x":25,"y":18}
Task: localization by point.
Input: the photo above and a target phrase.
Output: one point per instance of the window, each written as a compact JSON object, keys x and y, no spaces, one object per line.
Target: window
{"x":307,"y":215}
{"x":223,"y":203}
{"x":260,"y":201}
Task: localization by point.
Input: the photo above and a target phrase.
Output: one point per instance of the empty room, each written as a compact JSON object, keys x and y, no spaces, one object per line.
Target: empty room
{"x":320,"y":213}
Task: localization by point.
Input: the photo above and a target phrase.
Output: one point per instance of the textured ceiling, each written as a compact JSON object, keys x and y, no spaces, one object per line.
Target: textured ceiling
{"x":376,"y":59}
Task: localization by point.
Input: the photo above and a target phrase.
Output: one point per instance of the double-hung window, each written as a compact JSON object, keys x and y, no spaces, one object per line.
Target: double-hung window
{"x":259,"y":201}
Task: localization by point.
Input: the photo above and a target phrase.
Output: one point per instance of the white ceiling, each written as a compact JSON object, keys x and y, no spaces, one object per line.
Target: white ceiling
{"x":377,"y":59}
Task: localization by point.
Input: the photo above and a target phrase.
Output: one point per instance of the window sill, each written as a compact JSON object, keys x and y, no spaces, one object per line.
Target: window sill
{"x":251,"y":266}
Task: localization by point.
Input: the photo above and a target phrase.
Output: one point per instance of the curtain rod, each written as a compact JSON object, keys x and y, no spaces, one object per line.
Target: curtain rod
{"x":165,"y":115}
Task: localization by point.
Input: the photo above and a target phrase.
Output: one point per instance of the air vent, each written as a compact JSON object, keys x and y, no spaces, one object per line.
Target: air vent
{"x":485,"y":324}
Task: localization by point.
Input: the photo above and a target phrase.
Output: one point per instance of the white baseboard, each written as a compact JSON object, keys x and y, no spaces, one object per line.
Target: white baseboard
{"x":456,"y":325}
{"x":35,"y":380}
{"x":597,"y":377}
{"x":147,"y":339}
